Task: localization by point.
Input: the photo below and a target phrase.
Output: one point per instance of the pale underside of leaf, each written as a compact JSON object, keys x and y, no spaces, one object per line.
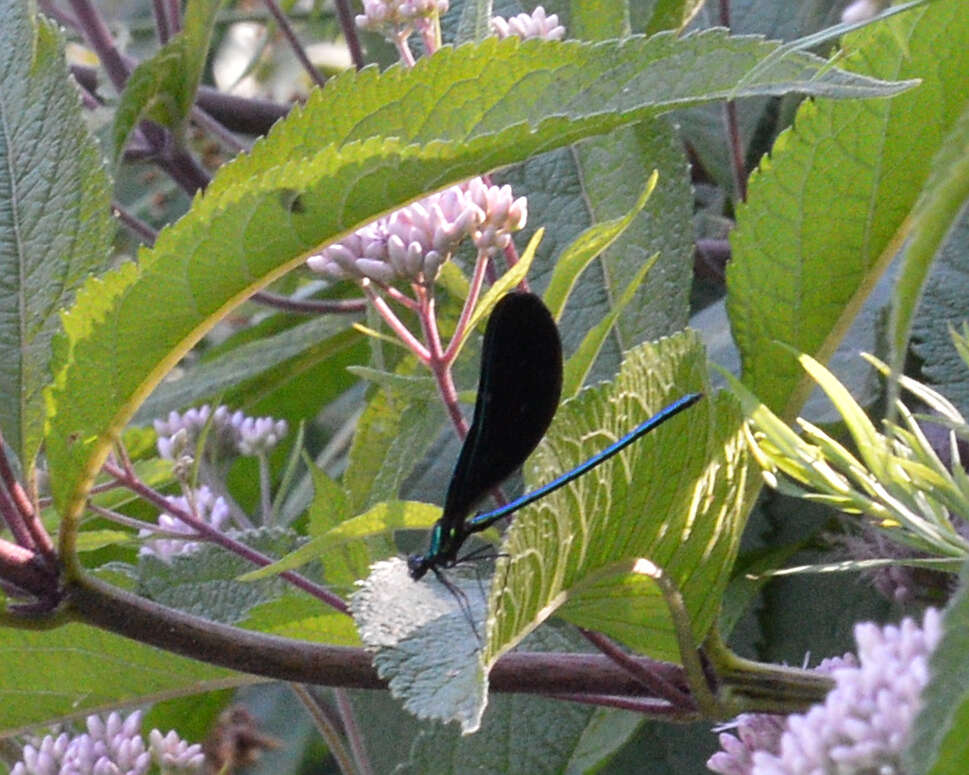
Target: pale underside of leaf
{"x":423,"y":641}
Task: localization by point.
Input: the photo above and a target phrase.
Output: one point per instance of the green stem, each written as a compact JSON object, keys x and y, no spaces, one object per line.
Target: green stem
{"x":747,"y":686}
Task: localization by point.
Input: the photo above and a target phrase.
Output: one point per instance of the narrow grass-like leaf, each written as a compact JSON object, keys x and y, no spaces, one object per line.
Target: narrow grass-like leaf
{"x":678,"y":497}
{"x":672,"y":15}
{"x":579,"y":365}
{"x":383,"y":519}
{"x":584,"y":248}
{"x":163,"y":87}
{"x":502,"y":286}
{"x":871,"y":444}
{"x":417,"y":387}
{"x":55,"y":223}
{"x":238,"y":370}
{"x":801,"y":267}
{"x":944,"y":564}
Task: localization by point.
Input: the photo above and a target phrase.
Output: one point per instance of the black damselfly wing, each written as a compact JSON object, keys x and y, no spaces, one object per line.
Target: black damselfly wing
{"x":518,"y":393}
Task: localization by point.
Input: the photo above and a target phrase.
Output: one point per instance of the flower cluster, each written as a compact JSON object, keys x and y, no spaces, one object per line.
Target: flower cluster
{"x":759,"y":731}
{"x":537,"y":25}
{"x":230,"y":433}
{"x":207,"y":507}
{"x":899,"y":583}
{"x":864,"y":722}
{"x":112,"y":747}
{"x":411,"y":244}
{"x":393,"y":18}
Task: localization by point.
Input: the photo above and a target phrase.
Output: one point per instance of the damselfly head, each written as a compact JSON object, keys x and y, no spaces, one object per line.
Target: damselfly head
{"x":418,"y":565}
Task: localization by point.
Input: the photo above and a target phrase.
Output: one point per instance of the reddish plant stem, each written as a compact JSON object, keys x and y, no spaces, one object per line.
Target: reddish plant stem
{"x":309,"y":306}
{"x":245,"y":115}
{"x":129,"y":480}
{"x":352,"y":731}
{"x":135,"y":225}
{"x":14,"y":519}
{"x":735,"y":146}
{"x":22,"y":568}
{"x":677,"y":698}
{"x":161,"y":21}
{"x":474,"y":292}
{"x":177,"y":162}
{"x":736,"y":150}
{"x":41,"y":540}
{"x":174,"y":16}
{"x":349,"y":32}
{"x":409,"y":340}
{"x":96,"y":31}
{"x":286,"y":28}
{"x":52,"y":11}
{"x":94,"y":602}
{"x":438,"y":364}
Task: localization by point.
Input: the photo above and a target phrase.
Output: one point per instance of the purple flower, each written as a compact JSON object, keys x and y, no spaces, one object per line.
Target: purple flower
{"x":864,"y":722}
{"x":112,"y":747}
{"x":536,"y":25}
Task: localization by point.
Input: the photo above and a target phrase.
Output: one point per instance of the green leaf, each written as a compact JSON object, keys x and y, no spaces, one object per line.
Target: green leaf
{"x":678,"y":497}
{"x":584,"y":249}
{"x":579,"y":365}
{"x":416,"y":387}
{"x":392,"y":436}
{"x":608,"y":731}
{"x":240,"y":372}
{"x":871,"y":445}
{"x":369,"y":142}
{"x":90,"y":540}
{"x":50,"y":675}
{"x":55,"y":223}
{"x":382,"y":520}
{"x":163,"y":87}
{"x":475,"y":21}
{"x":939,"y":740}
{"x":330,"y":505}
{"x":304,"y":618}
{"x":933,"y":219}
{"x":598,"y":21}
{"x":204,"y":583}
{"x":193,"y":717}
{"x":672,"y":15}
{"x":828,"y":210}
{"x":330,"y":508}
{"x":612,"y":169}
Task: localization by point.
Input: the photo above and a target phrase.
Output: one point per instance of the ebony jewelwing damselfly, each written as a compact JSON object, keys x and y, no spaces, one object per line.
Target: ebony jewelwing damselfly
{"x":518,"y":393}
